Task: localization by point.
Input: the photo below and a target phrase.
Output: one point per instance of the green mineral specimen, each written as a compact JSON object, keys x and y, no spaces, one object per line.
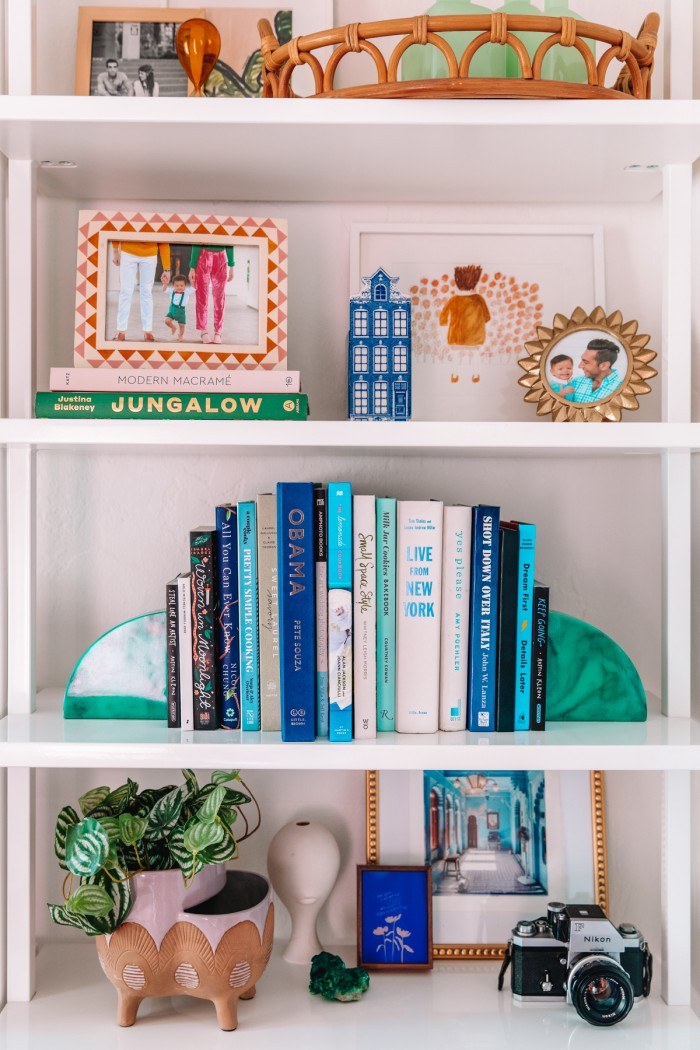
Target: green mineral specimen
{"x":332,"y":979}
{"x":590,"y":678}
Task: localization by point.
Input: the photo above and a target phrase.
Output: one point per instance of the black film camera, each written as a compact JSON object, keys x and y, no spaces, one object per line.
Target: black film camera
{"x":575,"y":954}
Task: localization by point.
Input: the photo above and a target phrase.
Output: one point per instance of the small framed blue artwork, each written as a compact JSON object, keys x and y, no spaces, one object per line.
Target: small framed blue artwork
{"x":394,"y":917}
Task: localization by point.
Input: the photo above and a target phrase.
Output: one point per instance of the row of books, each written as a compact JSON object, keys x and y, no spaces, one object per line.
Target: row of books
{"x":171,"y":393}
{"x":320,"y":612}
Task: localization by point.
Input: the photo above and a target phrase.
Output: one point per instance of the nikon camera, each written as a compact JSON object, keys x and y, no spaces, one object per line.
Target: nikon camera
{"x":577,"y":955}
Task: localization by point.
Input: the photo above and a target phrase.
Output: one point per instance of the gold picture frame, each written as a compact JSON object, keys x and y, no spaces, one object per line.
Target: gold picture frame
{"x":597,"y":340}
{"x":495,"y":951}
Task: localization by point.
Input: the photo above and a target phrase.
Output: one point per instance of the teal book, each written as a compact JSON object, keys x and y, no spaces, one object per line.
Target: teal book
{"x":386,"y":614}
{"x":339,"y":511}
{"x":248,"y":616}
{"x":523,"y":651}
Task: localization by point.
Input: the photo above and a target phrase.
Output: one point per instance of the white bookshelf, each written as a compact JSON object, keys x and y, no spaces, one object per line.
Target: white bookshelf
{"x":533,"y":154}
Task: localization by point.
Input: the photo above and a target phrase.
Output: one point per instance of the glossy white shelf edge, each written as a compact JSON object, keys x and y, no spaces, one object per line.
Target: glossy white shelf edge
{"x":456,"y":1002}
{"x":46,"y":739}
{"x":324,"y":434}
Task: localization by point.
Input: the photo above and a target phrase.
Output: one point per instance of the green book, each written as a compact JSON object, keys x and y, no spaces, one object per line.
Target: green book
{"x":170,"y":406}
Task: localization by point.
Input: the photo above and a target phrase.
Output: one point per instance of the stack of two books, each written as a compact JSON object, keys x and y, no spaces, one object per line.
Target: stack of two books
{"x":171,"y":393}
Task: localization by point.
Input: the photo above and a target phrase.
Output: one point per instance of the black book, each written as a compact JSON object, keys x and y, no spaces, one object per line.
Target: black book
{"x":508,"y":593}
{"x":204,"y":589}
{"x":172,"y":669}
{"x":540,"y":636}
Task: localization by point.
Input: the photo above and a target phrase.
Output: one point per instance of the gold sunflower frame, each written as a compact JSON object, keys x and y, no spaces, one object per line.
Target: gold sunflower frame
{"x":620,"y":377}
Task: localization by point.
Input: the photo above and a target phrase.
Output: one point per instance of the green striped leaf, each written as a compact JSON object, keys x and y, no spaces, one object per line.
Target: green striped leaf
{"x":222,"y":776}
{"x":111,"y":826}
{"x":92,"y":799}
{"x":200,"y":836}
{"x":62,"y":917}
{"x":119,"y":799}
{"x":188,"y":863}
{"x":90,"y":900}
{"x":120,"y":893}
{"x":191,"y":781}
{"x":209,"y":810}
{"x":142,"y":805}
{"x":166,"y":812}
{"x":131,"y":829}
{"x":220,"y":852}
{"x":66,"y":819}
{"x":87,"y":847}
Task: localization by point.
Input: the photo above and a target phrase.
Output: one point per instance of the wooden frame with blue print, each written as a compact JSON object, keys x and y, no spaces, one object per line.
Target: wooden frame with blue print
{"x":394,"y":917}
{"x":551,"y":834}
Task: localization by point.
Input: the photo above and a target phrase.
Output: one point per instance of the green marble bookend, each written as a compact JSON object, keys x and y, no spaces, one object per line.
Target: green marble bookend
{"x":332,"y":979}
{"x":122,"y":674}
{"x":589,"y":677}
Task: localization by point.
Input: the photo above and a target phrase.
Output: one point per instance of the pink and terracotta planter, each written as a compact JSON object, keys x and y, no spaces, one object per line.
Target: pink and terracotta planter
{"x":211,"y":940}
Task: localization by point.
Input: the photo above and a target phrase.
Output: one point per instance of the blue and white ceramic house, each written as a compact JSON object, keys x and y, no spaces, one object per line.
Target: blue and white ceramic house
{"x":379,"y":351}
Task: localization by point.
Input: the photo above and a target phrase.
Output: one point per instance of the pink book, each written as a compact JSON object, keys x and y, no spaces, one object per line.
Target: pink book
{"x":189,"y":380}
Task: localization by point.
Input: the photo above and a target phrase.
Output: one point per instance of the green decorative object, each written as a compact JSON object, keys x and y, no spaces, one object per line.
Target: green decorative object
{"x":332,"y":979}
{"x":426,"y":62}
{"x":565,"y":63}
{"x":589,"y":677}
{"x":122,"y":674}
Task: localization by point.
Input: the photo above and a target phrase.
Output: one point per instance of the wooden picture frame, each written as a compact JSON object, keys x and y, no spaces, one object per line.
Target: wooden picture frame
{"x":238,"y":73}
{"x":396,"y":833}
{"x":253,"y":315}
{"x":394,"y":917}
{"x":586,"y":354}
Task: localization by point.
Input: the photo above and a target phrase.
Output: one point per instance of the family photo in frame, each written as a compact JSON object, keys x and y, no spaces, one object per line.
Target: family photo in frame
{"x":181,"y":289}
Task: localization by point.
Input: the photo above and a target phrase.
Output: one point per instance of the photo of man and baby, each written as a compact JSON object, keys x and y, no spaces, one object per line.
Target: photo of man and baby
{"x":586,"y":367}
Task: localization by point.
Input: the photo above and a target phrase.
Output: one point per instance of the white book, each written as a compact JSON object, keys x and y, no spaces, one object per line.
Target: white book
{"x":418,"y":601}
{"x":454,"y":639}
{"x":184,"y":649}
{"x":364,"y":570}
{"x":189,"y":380}
{"x":268,"y":613}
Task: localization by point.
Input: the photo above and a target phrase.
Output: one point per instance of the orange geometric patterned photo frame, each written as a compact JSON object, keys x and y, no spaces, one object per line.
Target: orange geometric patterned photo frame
{"x":96,"y":229}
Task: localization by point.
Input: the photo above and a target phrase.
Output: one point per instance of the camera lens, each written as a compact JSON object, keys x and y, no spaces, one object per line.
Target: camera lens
{"x":601,"y":990}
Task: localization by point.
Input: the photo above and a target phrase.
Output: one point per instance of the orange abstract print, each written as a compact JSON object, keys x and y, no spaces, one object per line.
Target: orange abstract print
{"x":452,"y":322}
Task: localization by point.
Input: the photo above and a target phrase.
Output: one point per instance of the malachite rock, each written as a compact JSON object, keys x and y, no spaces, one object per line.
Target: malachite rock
{"x":332,"y":979}
{"x":589,"y":677}
{"x":122,"y":674}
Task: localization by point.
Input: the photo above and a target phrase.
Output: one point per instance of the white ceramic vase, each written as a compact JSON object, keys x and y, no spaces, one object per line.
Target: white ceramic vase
{"x":303,"y":863}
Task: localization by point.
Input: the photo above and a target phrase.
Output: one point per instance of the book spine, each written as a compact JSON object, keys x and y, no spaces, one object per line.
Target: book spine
{"x":297,"y":585}
{"x":203,"y":580}
{"x":340,"y":611}
{"x":321,"y":570}
{"x":483,"y":620}
{"x":386,"y":614}
{"x":171,"y":667}
{"x":228,"y":660}
{"x":184,"y":638}
{"x":507,"y":627}
{"x":184,"y":380}
{"x":248,"y":617}
{"x":364,"y":672}
{"x":456,"y":555}
{"x":268,"y":614}
{"x":526,"y":579}
{"x":540,"y":644}
{"x":102,"y":405}
{"x":418,"y":609}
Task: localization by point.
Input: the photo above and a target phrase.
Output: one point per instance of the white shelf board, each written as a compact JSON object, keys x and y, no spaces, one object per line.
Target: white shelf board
{"x":46,"y":739}
{"x":456,"y":1003}
{"x":476,"y":437}
{"x":352,"y":149}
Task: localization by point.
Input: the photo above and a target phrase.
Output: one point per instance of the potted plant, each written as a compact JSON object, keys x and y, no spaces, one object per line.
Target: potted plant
{"x":152,"y":887}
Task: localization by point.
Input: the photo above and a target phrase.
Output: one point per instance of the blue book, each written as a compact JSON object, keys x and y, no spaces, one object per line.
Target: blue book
{"x":523,"y":653}
{"x":248,"y":616}
{"x":483,"y":619}
{"x":339,"y":511}
{"x":297,"y":605}
{"x":228,"y":657}
{"x":386,"y":614}
{"x":321,"y":577}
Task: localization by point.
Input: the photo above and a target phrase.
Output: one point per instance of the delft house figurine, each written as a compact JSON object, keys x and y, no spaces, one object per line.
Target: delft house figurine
{"x":379,"y":351}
